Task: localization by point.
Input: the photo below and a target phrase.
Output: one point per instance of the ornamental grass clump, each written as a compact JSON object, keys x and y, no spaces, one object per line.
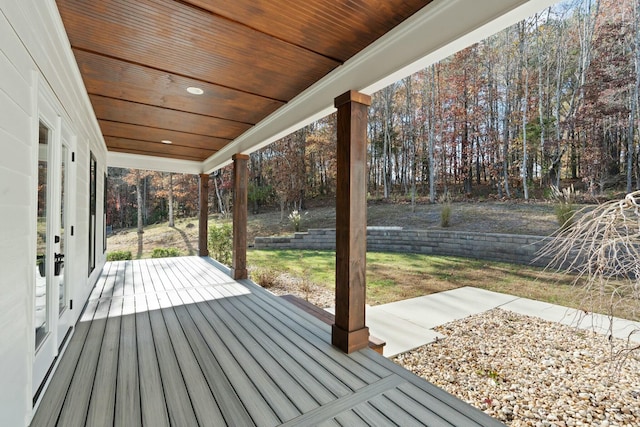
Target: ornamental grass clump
{"x":445,"y":212}
{"x":564,"y":208}
{"x":296,"y":219}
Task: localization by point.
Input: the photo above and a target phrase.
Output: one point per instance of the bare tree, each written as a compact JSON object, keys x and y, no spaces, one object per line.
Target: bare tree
{"x":139,"y":181}
{"x":432,"y":136}
{"x":525,"y":107}
{"x":634,"y":102}
{"x":170,"y":201}
{"x":602,"y":248}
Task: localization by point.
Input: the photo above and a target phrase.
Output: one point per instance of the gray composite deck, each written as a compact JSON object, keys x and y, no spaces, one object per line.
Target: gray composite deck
{"x":176,"y":342}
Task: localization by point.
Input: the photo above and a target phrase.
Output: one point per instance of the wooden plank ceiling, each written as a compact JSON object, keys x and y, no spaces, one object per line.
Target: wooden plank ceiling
{"x":249,"y":57}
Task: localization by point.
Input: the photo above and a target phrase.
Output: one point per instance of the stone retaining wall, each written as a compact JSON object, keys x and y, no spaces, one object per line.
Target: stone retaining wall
{"x":511,"y":248}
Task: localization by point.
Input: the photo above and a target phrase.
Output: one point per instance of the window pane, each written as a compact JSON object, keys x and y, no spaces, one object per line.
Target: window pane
{"x":41,"y":305}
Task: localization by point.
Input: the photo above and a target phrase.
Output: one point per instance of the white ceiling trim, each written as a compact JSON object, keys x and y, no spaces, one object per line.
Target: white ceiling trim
{"x":438,"y":30}
{"x":160,"y":164}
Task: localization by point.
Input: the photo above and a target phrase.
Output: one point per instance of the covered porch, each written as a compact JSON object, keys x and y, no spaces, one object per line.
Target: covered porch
{"x":177,"y":341}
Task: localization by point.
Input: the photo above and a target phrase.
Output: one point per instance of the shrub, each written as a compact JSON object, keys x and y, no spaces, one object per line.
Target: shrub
{"x":119,"y":256}
{"x":445,"y":212}
{"x":564,"y":209}
{"x":265,"y":277}
{"x":296,"y":219}
{"x":564,"y":215}
{"x":165,"y":253}
{"x":220,"y":242}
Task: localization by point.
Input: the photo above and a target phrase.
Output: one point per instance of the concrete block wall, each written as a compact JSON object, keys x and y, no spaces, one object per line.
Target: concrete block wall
{"x":511,"y":248}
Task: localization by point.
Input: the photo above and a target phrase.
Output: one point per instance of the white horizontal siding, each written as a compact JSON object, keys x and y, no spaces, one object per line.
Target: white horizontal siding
{"x":17,"y":261}
{"x":15,"y":330}
{"x":15,"y":90}
{"x":33,"y":47}
{"x":16,"y":156}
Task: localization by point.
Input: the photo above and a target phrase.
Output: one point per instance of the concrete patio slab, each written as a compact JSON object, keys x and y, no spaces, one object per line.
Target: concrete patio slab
{"x":409,"y":324}
{"x":400,"y":335}
{"x":433,"y":310}
{"x":621,"y":328}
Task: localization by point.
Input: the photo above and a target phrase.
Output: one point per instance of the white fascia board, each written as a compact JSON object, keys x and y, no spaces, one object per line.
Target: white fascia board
{"x":437,"y":31}
{"x":153,"y":163}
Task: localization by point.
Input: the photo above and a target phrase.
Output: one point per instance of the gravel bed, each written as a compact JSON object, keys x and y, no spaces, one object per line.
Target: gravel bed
{"x":526,"y":371}
{"x":315,"y":294}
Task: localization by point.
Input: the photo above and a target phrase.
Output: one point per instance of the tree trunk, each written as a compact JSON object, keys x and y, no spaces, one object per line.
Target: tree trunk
{"x":525,"y":103}
{"x":634,"y":104}
{"x":171,"y":221}
{"x":218,"y":196}
{"x":139,"y":181}
{"x":432,"y":137}
{"x":507,"y":121}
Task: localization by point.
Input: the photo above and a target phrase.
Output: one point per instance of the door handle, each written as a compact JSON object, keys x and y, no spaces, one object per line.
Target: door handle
{"x":58,"y":264}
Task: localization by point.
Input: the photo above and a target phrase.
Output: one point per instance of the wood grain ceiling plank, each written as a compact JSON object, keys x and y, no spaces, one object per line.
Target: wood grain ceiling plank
{"x":119,"y":79}
{"x":116,"y":110}
{"x":172,"y":36}
{"x":153,"y":148}
{"x":143,"y":133}
{"x":334,"y":28}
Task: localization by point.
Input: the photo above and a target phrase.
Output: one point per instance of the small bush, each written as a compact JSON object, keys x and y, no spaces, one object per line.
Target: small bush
{"x":296,"y":219}
{"x":165,"y":253}
{"x":564,"y":215}
{"x":119,"y":256}
{"x":564,"y":208}
{"x":445,"y":212}
{"x":220,"y":243}
{"x":265,"y":277}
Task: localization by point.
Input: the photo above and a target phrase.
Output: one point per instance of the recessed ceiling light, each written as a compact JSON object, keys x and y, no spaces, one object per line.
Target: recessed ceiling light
{"x":166,"y":141}
{"x":195,"y":90}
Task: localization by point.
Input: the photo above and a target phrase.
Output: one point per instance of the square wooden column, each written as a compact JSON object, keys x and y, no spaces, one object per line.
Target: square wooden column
{"x":240,"y":193}
{"x":349,"y":332}
{"x":203,"y":220}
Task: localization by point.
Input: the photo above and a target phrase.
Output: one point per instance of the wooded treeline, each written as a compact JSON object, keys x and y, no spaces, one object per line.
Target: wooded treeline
{"x":552,"y":98}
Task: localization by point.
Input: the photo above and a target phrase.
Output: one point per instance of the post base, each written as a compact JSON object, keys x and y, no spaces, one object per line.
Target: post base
{"x":349,"y":341}
{"x":239,"y":274}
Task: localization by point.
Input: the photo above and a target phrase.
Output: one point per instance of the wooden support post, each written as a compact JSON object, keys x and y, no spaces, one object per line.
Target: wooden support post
{"x":203,"y":248}
{"x":349,"y":332}
{"x":240,"y":192}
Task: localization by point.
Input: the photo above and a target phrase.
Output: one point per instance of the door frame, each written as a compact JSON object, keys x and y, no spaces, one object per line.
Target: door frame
{"x":48,"y":112}
{"x":65,"y":319}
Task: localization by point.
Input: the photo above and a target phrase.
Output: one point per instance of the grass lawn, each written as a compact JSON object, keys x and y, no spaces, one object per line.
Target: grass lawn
{"x":395,"y":276}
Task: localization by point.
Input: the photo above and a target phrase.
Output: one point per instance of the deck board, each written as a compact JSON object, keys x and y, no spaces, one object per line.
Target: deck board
{"x":176,"y":341}
{"x":152,"y":402}
{"x":291,"y":364}
{"x":127,"y":409}
{"x":74,"y":410}
{"x":221,"y":387}
{"x":372,"y":416}
{"x":308,"y":333}
{"x":263,"y":354}
{"x":102,"y":404}
{"x":243,"y":386}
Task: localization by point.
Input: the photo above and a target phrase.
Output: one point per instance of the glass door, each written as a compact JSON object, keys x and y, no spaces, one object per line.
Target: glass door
{"x":43,"y":265}
{"x":52,"y":317}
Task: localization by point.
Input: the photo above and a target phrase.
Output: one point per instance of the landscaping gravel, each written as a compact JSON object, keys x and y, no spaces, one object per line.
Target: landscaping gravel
{"x":315,"y":294}
{"x":526,"y":371}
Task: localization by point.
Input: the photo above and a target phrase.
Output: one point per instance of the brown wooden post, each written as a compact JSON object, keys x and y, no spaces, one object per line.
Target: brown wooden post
{"x":203,"y":248}
{"x":349,"y":332}
{"x":240,"y":192}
